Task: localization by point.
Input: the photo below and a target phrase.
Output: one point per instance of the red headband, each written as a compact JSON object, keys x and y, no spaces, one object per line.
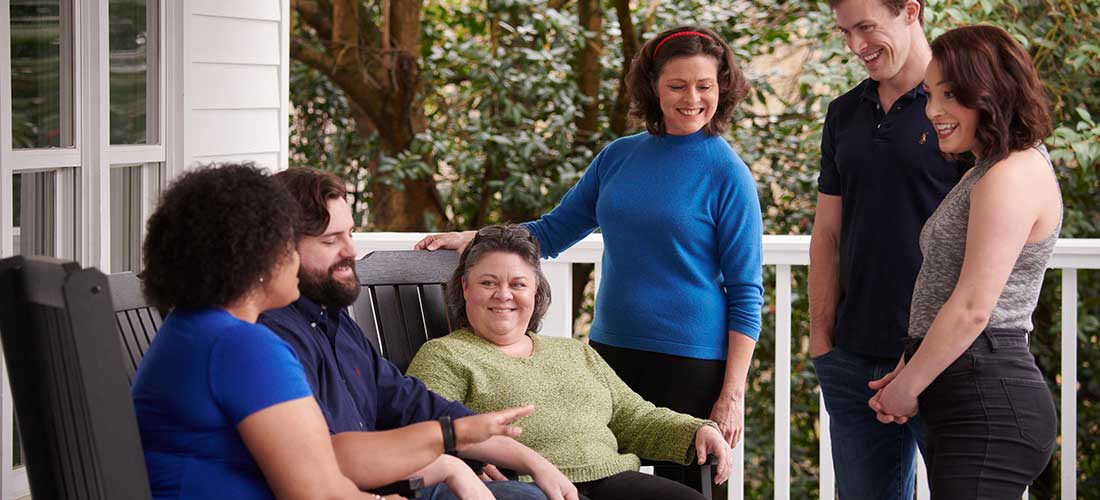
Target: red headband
{"x":677,"y":35}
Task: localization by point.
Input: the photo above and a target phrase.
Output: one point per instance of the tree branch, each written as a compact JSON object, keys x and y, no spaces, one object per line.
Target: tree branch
{"x":650,"y":16}
{"x":312,"y":57}
{"x":557,"y":4}
{"x":311,"y":12}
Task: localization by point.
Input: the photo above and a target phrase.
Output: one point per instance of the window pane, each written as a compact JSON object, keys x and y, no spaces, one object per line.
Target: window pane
{"x":134,"y":85}
{"x":46,"y":218}
{"x":41,"y":73}
{"x":134,"y":192}
{"x":46,"y":222}
{"x":35,"y":217}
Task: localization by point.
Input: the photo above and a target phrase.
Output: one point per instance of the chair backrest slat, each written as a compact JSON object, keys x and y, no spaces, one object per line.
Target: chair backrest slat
{"x":132,"y":352}
{"x":435,"y":310}
{"x":401,"y":305}
{"x":72,"y":402}
{"x":137,"y":321}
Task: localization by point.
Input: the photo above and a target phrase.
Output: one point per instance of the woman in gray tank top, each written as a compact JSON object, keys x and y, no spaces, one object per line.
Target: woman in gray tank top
{"x":990,"y":415}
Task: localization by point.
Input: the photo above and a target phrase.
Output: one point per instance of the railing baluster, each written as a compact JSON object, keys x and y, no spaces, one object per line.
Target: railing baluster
{"x":827,"y":483}
{"x":1069,"y":383}
{"x":922,"y":479}
{"x":782,"y":463}
{"x":736,"y":488}
{"x":558,"y":321}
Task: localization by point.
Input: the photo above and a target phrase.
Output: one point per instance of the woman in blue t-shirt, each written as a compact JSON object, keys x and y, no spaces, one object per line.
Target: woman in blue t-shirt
{"x":680,"y":218}
{"x":222,"y":403}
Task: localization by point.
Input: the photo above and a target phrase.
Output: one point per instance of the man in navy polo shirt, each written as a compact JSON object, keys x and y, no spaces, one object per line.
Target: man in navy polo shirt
{"x":882,"y":175}
{"x":358,"y":390}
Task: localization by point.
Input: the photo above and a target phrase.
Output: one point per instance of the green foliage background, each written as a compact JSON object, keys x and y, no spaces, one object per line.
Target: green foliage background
{"x":501,"y":98}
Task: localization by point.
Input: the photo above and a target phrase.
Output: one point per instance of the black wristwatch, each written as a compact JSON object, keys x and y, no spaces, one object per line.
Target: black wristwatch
{"x":448,"y":427}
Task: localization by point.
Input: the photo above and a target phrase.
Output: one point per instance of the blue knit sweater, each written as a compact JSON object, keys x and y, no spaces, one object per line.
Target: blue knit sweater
{"x":682,"y":234}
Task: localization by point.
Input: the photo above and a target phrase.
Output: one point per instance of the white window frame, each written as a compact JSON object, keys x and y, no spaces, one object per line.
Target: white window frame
{"x":90,"y":158}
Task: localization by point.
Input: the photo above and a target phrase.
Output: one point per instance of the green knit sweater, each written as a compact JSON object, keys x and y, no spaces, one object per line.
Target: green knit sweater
{"x":587,"y":422}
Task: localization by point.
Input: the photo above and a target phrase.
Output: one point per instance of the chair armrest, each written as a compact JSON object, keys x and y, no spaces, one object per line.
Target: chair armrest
{"x":711,"y":460}
{"x":408,"y":488}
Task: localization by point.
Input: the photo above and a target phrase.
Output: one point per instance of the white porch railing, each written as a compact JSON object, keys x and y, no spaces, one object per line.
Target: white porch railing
{"x":784,"y":252}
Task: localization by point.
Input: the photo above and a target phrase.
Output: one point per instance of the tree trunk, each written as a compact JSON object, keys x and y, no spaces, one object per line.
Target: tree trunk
{"x":620,"y":111}
{"x":590,"y":15}
{"x":379,"y":72}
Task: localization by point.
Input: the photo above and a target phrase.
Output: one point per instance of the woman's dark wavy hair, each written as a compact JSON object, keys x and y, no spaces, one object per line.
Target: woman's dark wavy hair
{"x":312,"y":189}
{"x":645,"y":69}
{"x":989,"y":71}
{"x":507,"y":238}
{"x":215,"y":233}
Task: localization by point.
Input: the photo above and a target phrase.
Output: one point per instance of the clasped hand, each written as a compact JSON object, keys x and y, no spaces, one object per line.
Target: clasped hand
{"x":893,"y":402}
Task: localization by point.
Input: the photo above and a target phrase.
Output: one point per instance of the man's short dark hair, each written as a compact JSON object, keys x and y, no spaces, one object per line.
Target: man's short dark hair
{"x":645,"y":69}
{"x":988,"y":70}
{"x":216,"y":232}
{"x":312,"y":189}
{"x":895,"y":7}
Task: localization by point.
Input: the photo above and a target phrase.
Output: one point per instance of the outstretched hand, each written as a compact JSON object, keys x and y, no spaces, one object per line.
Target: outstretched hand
{"x":449,"y":241}
{"x":477,"y":428}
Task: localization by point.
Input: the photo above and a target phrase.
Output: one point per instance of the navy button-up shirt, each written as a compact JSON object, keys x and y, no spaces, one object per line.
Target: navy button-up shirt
{"x":887,"y":166}
{"x":357,"y":389}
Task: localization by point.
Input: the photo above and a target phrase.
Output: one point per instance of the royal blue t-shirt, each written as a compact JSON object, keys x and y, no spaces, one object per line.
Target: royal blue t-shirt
{"x":204,"y":373}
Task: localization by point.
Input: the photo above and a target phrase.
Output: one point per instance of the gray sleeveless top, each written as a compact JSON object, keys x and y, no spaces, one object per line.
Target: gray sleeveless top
{"x":943,"y":243}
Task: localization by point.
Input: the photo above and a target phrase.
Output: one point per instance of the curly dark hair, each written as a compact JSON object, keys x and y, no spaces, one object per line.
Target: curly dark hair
{"x":895,"y":7}
{"x":989,"y":71}
{"x":313,"y":189}
{"x":216,"y":232}
{"x":507,"y":238}
{"x":645,"y":69}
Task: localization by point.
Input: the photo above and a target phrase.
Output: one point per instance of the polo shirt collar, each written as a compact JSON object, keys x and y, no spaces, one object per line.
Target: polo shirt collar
{"x":870,"y":92}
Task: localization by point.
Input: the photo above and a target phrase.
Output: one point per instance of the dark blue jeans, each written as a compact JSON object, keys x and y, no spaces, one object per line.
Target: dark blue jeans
{"x":991,"y":420}
{"x":502,"y":490}
{"x":872,"y":460}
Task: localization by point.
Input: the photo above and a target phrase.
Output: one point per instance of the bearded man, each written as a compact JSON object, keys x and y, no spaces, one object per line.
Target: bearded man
{"x":358,"y":390}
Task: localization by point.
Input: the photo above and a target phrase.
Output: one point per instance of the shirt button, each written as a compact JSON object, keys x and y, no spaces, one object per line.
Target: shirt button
{"x":313,"y":324}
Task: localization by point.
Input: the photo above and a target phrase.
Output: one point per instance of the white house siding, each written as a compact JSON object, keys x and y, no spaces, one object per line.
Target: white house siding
{"x":236,"y":82}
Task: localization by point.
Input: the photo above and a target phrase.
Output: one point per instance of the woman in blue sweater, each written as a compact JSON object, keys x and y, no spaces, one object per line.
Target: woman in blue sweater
{"x":678,"y":310}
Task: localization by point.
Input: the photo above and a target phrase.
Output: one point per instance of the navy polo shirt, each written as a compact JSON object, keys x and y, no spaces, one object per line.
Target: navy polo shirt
{"x":357,"y":389}
{"x":887,"y":166}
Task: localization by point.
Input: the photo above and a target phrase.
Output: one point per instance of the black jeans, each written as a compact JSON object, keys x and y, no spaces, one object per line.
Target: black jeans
{"x":991,"y":420}
{"x":686,"y":385}
{"x":636,"y":486}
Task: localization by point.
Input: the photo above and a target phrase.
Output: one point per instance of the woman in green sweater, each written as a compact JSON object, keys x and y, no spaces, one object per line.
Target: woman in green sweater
{"x":587,"y":422}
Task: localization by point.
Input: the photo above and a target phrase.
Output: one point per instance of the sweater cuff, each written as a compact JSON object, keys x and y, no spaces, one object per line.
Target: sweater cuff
{"x":688,"y":457}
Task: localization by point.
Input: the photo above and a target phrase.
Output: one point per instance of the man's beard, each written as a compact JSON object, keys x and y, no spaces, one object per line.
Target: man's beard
{"x":324,"y":289}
